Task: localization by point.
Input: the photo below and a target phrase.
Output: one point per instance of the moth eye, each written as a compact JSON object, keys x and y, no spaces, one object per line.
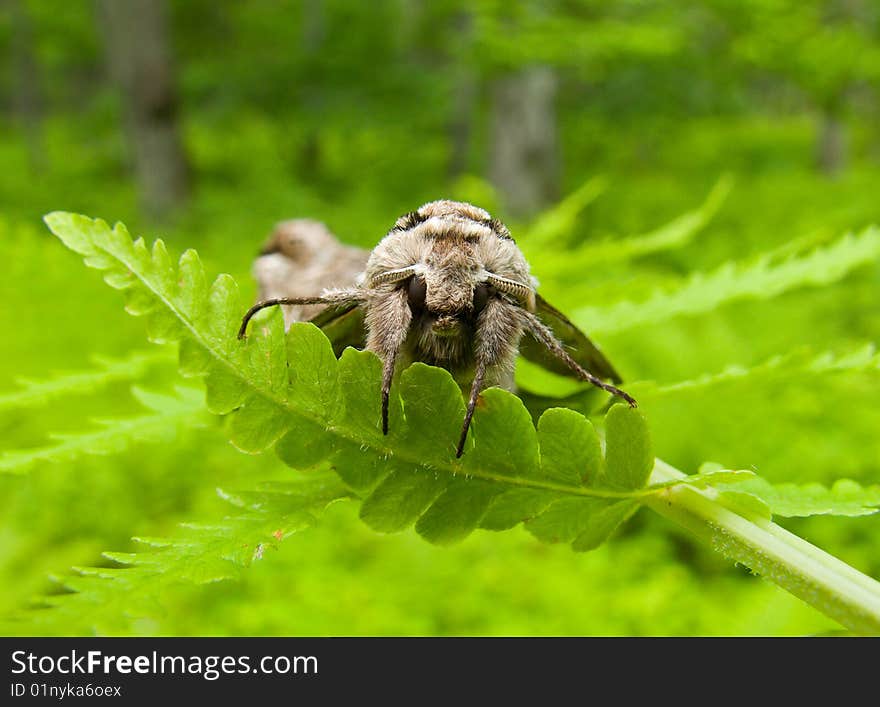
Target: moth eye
{"x":481,"y":297}
{"x":417,"y":291}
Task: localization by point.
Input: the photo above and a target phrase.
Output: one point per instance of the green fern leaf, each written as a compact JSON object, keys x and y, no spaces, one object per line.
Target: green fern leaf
{"x":796,"y":365}
{"x":557,"y":222}
{"x":762,"y":279}
{"x":108,"y":600}
{"x":710,"y":474}
{"x":570,"y":448}
{"x":844,"y":498}
{"x":169,"y":413}
{"x":108,"y":370}
{"x":628,"y":459}
{"x":674,"y":234}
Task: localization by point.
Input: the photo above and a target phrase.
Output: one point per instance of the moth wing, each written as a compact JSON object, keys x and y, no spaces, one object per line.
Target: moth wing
{"x":343,"y":325}
{"x":302,"y":258}
{"x":581,"y":349}
{"x":583,"y":401}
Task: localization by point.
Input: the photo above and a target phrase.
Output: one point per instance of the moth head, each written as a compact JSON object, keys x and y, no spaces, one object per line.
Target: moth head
{"x":299,"y":240}
{"x":452,"y":259}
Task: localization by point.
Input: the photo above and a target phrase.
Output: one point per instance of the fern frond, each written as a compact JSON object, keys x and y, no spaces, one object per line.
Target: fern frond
{"x":674,"y":234}
{"x":794,"y":365}
{"x":845,"y":498}
{"x":169,"y":413}
{"x":800,"y":245}
{"x":106,"y":372}
{"x":107,"y":600}
{"x":559,"y":221}
{"x":761,"y":279}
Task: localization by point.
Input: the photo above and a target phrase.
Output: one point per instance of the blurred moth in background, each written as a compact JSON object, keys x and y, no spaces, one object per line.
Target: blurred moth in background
{"x":446,"y":286}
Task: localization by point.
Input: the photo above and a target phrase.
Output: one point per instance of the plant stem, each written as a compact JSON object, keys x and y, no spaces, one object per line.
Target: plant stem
{"x":812,"y":575}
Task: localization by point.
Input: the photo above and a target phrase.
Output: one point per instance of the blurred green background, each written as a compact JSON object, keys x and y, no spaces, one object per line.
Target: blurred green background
{"x":205,"y":123}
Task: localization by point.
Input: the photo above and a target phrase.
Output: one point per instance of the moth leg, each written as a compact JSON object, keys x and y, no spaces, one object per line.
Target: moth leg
{"x":387,"y":377}
{"x":476,"y":387}
{"x":330,"y":297}
{"x":545,"y":336}
{"x":388,"y":320}
{"x":495,"y":347}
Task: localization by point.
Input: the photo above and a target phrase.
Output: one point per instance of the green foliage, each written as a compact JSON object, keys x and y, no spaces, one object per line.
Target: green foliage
{"x":560,"y":221}
{"x":797,"y":365}
{"x":823,"y":47}
{"x":845,"y":498}
{"x":107,"y":598}
{"x":167,"y":415}
{"x":734,"y":281}
{"x":557,"y":223}
{"x":41,"y":392}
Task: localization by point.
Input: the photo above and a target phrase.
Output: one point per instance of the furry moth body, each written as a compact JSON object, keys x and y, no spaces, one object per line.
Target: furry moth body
{"x":446,"y":286}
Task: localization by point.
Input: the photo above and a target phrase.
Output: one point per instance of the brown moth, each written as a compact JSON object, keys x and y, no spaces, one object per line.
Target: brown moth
{"x":446,"y":286}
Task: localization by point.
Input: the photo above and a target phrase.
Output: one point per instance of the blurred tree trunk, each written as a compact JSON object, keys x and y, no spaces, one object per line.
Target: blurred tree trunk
{"x":27,"y":94}
{"x":464,"y":100}
{"x":410,"y":13}
{"x":139,"y":58}
{"x":831,"y":142}
{"x":313,"y":35}
{"x":313,"y":25}
{"x":524,"y":160}
{"x":464,"y":96}
{"x":831,"y":147}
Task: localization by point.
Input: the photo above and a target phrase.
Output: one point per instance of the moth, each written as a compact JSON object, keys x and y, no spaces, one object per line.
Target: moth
{"x":447,"y":286}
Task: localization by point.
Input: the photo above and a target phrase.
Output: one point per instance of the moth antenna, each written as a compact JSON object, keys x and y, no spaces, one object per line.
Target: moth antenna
{"x":476,"y":387}
{"x":277,"y":301}
{"x":340,"y":297}
{"x":545,"y":336}
{"x":522,"y":293}
{"x":272,"y":303}
{"x":390,"y":277}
